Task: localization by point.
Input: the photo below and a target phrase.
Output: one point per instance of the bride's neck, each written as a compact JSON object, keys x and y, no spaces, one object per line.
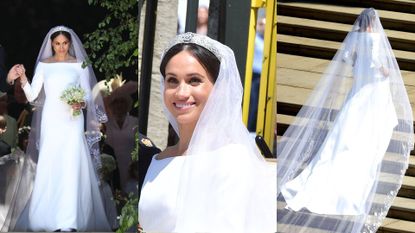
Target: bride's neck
{"x":61,"y":57}
{"x":186,"y":133}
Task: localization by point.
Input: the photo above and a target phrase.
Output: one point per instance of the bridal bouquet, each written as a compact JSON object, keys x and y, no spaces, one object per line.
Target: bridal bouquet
{"x":73,"y":95}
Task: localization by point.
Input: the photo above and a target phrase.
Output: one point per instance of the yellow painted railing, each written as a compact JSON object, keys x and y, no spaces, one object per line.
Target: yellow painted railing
{"x":266,"y":115}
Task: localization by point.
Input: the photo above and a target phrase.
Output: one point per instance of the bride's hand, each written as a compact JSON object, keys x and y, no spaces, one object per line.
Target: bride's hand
{"x":78,"y":106}
{"x":384,"y":71}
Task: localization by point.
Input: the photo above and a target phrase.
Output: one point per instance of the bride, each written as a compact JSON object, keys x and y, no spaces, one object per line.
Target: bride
{"x":66,"y":195}
{"x":342,"y":161}
{"x":214,"y":179}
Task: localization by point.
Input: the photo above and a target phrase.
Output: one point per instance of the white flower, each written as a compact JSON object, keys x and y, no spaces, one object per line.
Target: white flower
{"x":73,"y":95}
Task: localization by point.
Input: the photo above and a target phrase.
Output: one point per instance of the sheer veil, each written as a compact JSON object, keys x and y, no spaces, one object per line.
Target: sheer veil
{"x":219,"y":127}
{"x":95,"y":115}
{"x":359,"y":102}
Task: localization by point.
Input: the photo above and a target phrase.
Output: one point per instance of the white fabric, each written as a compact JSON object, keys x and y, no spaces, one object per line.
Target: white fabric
{"x":157,"y":207}
{"x":225,"y":176}
{"x":207,"y":171}
{"x":109,"y":204}
{"x":10,"y":170}
{"x":122,"y":140}
{"x":66,"y":192}
{"x":323,"y":191}
{"x":342,"y":160}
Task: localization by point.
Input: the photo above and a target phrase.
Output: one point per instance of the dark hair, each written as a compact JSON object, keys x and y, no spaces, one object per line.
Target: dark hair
{"x":206,"y":58}
{"x":367,"y":19}
{"x":64,"y":33}
{"x":22,"y":136}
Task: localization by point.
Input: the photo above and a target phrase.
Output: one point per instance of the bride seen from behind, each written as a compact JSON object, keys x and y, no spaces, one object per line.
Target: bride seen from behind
{"x":353,"y":133}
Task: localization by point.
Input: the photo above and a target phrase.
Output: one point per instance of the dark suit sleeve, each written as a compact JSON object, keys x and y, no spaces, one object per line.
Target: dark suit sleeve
{"x":5,"y":149}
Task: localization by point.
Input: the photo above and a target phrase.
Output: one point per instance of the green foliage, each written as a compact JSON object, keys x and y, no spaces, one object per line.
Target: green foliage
{"x":129,"y":214}
{"x":134,"y":154}
{"x":114,"y":44}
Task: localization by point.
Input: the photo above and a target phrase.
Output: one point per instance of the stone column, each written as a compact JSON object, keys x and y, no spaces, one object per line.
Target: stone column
{"x":166,"y":28}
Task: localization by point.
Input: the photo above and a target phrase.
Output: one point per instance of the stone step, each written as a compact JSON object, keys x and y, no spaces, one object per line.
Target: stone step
{"x":408,"y":185}
{"x":298,"y":75}
{"x":392,"y":225}
{"x":325,"y":49}
{"x":344,"y":14}
{"x":332,"y":31}
{"x":402,"y":209}
{"x":289,"y":110}
{"x":389,"y":225}
{"x":406,"y":6}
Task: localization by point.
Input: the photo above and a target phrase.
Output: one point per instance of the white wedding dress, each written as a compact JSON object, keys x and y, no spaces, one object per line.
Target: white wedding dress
{"x":224,"y":191}
{"x":157,"y":207}
{"x":338,"y":180}
{"x":66,"y":192}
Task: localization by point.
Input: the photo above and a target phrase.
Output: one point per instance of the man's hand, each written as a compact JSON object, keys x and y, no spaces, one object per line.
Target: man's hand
{"x":13,"y":74}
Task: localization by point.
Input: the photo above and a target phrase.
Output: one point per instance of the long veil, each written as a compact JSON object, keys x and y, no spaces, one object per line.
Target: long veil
{"x":25,"y":173}
{"x":221,"y":136}
{"x":342,"y":160}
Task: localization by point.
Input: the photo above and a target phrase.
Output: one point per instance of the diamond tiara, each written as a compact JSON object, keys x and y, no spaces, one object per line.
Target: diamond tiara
{"x":192,"y":38}
{"x":59,"y":29}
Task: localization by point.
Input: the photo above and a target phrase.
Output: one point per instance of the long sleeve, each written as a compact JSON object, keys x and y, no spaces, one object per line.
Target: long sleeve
{"x":32,"y":90}
{"x":84,"y":81}
{"x":349,"y":51}
{"x":376,"y":57}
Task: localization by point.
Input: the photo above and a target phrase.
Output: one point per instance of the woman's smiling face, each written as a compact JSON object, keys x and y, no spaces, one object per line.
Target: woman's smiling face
{"x":187,"y":86}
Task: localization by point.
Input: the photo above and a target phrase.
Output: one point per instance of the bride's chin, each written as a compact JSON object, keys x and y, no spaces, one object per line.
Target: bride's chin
{"x":186,"y":120}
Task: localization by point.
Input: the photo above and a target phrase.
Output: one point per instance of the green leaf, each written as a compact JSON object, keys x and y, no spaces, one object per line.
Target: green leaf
{"x":110,"y":46}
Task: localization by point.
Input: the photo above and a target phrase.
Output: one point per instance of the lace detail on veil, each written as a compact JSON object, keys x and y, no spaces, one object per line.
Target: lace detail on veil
{"x":101,"y":115}
{"x":92,"y":139}
{"x":96,"y":158}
